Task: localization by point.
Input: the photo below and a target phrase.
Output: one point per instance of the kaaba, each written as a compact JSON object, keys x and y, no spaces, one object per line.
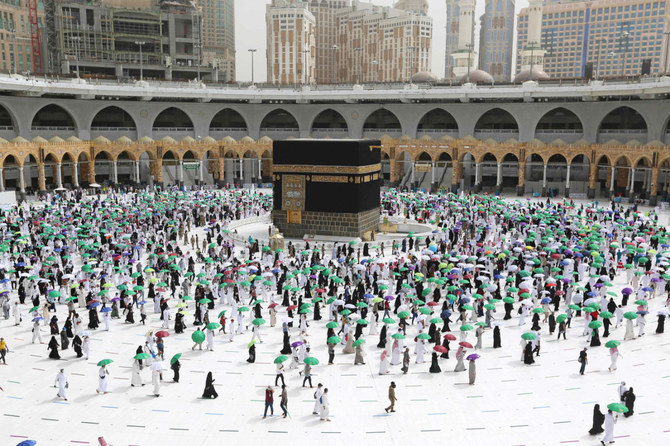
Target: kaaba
{"x":326,"y":187}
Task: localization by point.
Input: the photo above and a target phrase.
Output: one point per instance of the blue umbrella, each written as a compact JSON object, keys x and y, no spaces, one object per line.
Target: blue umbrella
{"x":94,"y":304}
{"x":106,"y":310}
{"x":38,"y":318}
{"x":27,"y":443}
{"x":643,"y":289}
{"x":546,"y":300}
{"x":642,"y":312}
{"x":21,"y":264}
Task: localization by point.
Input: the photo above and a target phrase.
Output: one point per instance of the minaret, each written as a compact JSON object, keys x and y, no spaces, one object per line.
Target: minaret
{"x":465,"y":56}
{"x":532,"y":55}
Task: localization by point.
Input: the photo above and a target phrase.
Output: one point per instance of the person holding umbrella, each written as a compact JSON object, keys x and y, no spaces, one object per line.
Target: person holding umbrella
{"x":175,"y":365}
{"x":610,"y":421}
{"x":392,"y":398}
{"x":472,"y":370}
{"x":103,"y":373}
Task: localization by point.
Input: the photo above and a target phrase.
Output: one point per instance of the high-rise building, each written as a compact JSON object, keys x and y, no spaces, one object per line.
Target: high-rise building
{"x":382,"y":44}
{"x":15,"y":41}
{"x":218,"y":36}
{"x":465,"y":54}
{"x":156,"y":39}
{"x":453,"y":13}
{"x":617,"y":37}
{"x":496,"y":37}
{"x":291,"y":42}
{"x":325,"y":12}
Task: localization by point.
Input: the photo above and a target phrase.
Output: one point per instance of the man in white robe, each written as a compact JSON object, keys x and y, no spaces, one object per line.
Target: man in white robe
{"x":61,"y":383}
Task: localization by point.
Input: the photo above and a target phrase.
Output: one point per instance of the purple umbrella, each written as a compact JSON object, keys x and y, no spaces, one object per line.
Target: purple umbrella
{"x":472,"y":357}
{"x":389,"y":297}
{"x":627,"y":291}
{"x":296,"y":344}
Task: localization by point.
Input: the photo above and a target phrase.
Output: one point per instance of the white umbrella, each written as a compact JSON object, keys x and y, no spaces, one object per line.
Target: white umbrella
{"x":94,"y":185}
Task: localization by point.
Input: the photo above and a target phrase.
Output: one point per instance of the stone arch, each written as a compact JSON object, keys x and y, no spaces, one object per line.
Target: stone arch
{"x":487,"y":157}
{"x":30,"y":172}
{"x":113,"y":122}
{"x":437,"y":121}
{"x":559,"y":122}
{"x":623,"y":123}
{"x":329,"y":121}
{"x":381,"y":121}
{"x":53,"y":120}
{"x":423,"y":156}
{"x":50,"y":165}
{"x":279,"y":119}
{"x":498,"y":124}
{"x":8,"y":127}
{"x":103,"y":163}
{"x":266,"y":166}
{"x":173,"y":122}
{"x":10,"y":172}
{"x":228,"y":121}
{"x":84,"y":167}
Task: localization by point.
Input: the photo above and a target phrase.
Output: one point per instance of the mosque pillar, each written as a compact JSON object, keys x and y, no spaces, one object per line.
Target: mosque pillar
{"x":59,"y":176}
{"x":631,"y":183}
{"x":499,"y":178}
{"x":22,"y":181}
{"x":478,"y":168}
{"x":137,"y":172}
{"x":544,"y":179}
{"x":593,"y":178}
{"x":158,"y":172}
{"x":115,"y":172}
{"x":653,"y":187}
{"x":75,"y":174}
{"x":456,"y":174}
{"x":612,"y":176}
{"x":41,"y":181}
{"x":521,"y":181}
{"x":393,"y":174}
{"x":2,"y":179}
{"x":567,"y":183}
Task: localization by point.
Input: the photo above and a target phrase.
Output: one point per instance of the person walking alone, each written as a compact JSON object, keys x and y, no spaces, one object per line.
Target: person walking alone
{"x":392,"y":398}
{"x":325,"y":406}
{"x":284,"y":400}
{"x":269,"y":400}
{"x":583,"y":359}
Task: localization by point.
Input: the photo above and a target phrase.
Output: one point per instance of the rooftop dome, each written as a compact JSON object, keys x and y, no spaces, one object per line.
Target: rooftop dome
{"x":538,"y":75}
{"x":425,"y":76}
{"x":478,"y":77}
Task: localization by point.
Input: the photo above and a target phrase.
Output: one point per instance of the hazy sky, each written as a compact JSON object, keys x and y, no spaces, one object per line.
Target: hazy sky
{"x":250,"y":33}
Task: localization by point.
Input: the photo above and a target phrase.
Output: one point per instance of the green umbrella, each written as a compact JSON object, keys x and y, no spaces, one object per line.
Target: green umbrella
{"x":403,"y":314}
{"x":435,"y":320}
{"x":362,"y":322}
{"x":508,"y":300}
{"x":334,"y":339}
{"x":213,"y":325}
{"x":561,"y":317}
{"x":606,"y":315}
{"x":104,"y":362}
{"x":388,"y":320}
{"x":574,"y":307}
{"x":398,"y":336}
{"x":641,"y":302}
{"x":311,"y":360}
{"x":331,"y":324}
{"x":359,"y":342}
{"x":175,"y":358}
{"x":222,"y":313}
{"x":243,"y":309}
{"x":466,"y":327}
{"x":204,"y":301}
{"x":538,"y":310}
{"x":141,"y":356}
{"x":54,"y":293}
{"x":424,"y":336}
{"x":258,"y":321}
{"x":612,"y":344}
{"x":617,"y":407}
{"x":528,"y":336}
{"x":630,"y":315}
{"x":424,"y":310}
{"x":595,"y":324}
{"x":280,"y":359}
{"x":198,"y":337}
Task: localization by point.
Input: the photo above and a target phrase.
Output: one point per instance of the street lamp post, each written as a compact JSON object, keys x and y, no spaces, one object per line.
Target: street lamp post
{"x":335,"y":48}
{"x":601,"y":40}
{"x":469,"y":46}
{"x":252,"y":51}
{"x":358,"y":75}
{"x":624,"y":36}
{"x":141,"y":43}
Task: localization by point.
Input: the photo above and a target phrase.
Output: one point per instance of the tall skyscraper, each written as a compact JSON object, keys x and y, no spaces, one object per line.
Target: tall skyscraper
{"x":496,"y":37}
{"x":291,"y":42}
{"x":453,"y":13}
{"x":464,"y":56}
{"x":416,"y":6}
{"x":325,"y":12}
{"x":218,"y":36}
{"x":382,"y":44}
{"x":616,"y":36}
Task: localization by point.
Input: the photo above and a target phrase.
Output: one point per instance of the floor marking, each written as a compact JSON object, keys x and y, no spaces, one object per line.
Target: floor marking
{"x":493,"y":410}
{"x":541,"y":407}
{"x":419,"y":400}
{"x":89,"y":422}
{"x":643,"y":413}
{"x":49,"y":419}
{"x":475,"y":428}
{"x":507,"y":380}
{"x":431,"y":430}
{"x":570,"y":441}
{"x":552,"y":376}
{"x":376,"y":432}
{"x":525,"y":393}
{"x":135,"y":425}
{"x":15,"y":397}
{"x":278,"y":432}
{"x":562,"y":422}
{"x":178,"y":429}
{"x":109,"y":407}
{"x":368,"y":401}
{"x":61,"y":402}
{"x":80,"y":442}
{"x":438,"y":413}
{"x":476,"y":396}
{"x":212,"y":413}
{"x":159,"y":410}
{"x":520,"y":425}
{"x":383,"y":415}
{"x":574,"y":388}
{"x":330,"y":432}
{"x":228,"y":430}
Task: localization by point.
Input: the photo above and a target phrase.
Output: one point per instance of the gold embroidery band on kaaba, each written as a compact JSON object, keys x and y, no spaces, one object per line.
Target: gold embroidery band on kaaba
{"x":344,"y":170}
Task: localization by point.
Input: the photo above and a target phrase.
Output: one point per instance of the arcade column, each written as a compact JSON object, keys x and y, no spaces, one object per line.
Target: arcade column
{"x":653,"y":192}
{"x":593,"y":177}
{"x":521,"y":180}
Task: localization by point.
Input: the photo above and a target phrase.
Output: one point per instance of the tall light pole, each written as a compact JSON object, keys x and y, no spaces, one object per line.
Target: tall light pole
{"x":252,"y":51}
{"x":601,"y":40}
{"x":76,"y":52}
{"x":335,"y":48}
{"x":625,"y":36}
{"x":141,"y":43}
{"x":358,"y":75}
{"x":667,"y":44}
{"x":469,"y":46}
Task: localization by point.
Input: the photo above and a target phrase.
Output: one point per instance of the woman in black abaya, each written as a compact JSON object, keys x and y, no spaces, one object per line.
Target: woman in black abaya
{"x":209,"y":391}
{"x":53,"y":347}
{"x":496,"y":337}
{"x":528,"y":354}
{"x":598,"y":420}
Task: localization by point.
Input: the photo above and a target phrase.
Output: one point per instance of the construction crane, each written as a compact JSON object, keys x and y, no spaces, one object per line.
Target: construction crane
{"x":35,"y":37}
